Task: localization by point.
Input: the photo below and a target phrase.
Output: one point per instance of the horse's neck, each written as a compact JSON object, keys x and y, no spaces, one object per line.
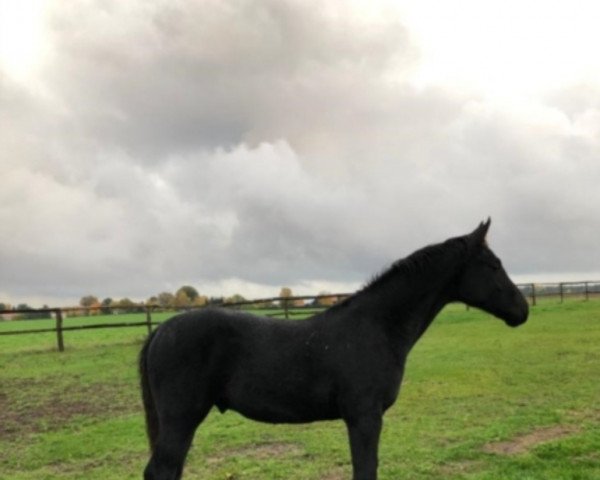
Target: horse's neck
{"x":410,"y":302}
{"x":418,"y":319}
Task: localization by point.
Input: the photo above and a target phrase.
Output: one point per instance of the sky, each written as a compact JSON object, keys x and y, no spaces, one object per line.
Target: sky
{"x":244,"y":145}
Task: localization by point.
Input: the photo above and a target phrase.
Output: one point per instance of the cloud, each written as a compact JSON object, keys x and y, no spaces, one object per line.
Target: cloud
{"x":154,"y":78}
{"x":252,"y":144}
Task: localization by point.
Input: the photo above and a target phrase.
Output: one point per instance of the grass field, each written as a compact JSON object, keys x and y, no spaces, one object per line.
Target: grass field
{"x":479,"y":401}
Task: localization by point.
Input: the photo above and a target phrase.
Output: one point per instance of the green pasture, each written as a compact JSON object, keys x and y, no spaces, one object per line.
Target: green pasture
{"x":480,"y":401}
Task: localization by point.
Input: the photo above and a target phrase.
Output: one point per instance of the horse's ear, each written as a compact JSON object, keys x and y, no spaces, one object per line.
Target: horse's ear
{"x":477,"y":237}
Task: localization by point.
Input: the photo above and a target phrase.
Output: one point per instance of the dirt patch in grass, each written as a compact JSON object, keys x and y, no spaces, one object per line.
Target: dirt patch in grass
{"x":526,"y":442}
{"x":590,"y":414}
{"x":338,"y":473}
{"x":259,"y":451}
{"x":459,"y":468}
{"x":32,"y":406}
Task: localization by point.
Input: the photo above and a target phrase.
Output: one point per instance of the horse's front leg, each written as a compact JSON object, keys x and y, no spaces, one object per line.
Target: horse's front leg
{"x":364,"y":431}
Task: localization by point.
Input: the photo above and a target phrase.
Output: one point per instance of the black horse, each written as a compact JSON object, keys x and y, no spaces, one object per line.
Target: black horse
{"x":344,"y":363}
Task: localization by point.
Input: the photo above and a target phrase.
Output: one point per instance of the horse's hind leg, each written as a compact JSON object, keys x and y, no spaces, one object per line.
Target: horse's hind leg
{"x":174,"y":440}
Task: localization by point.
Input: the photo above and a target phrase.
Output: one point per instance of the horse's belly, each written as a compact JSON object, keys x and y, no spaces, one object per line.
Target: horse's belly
{"x":270,"y":412}
{"x":281,"y":405}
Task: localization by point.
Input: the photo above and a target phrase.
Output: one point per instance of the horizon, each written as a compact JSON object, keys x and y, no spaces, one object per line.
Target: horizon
{"x":543,"y":281}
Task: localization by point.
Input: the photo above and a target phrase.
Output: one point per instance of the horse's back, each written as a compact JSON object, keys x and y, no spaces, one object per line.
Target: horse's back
{"x":195,"y":323}
{"x":218,"y":338}
{"x":198,"y":333}
{"x":224,"y":326}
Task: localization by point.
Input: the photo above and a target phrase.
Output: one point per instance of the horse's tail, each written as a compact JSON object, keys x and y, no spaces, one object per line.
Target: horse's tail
{"x":147,"y":398}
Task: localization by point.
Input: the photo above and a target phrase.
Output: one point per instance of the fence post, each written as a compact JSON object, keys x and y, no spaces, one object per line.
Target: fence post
{"x":286,"y":309}
{"x":560,"y":286}
{"x":533,"y":301}
{"x":587,"y":292}
{"x":59,"y":331}
{"x":148,"y":320}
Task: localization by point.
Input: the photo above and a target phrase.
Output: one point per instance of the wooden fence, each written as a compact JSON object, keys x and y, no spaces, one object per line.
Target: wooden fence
{"x":282,"y":306}
{"x":59,"y":328}
{"x":285,"y":309}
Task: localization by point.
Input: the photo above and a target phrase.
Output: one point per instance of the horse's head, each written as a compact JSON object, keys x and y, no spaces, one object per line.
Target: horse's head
{"x":484,"y":284}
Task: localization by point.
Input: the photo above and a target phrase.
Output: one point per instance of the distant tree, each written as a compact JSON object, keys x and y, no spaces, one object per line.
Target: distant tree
{"x":127,"y":305}
{"x":105,"y":306}
{"x":216,"y":301}
{"x":235,"y":298}
{"x":88,"y":301}
{"x":285,"y":293}
{"x":182,"y":300}
{"x":153,"y":300}
{"x":166,"y":299}
{"x":326,"y":301}
{"x":24,"y":316}
{"x":200,"y":301}
{"x":191,"y":292}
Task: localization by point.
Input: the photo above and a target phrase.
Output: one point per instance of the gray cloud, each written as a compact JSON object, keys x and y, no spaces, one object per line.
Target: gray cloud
{"x":154,"y":78}
{"x":271,"y":143}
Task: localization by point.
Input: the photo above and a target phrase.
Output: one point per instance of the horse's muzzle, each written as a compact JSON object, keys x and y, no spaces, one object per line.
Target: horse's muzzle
{"x":518,"y":315}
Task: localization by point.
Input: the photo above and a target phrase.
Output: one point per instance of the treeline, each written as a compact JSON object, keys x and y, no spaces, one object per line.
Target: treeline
{"x":23,"y":316}
{"x":188,"y":297}
{"x":185,"y":297}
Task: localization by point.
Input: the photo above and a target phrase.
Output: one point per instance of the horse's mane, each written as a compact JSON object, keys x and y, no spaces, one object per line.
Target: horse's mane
{"x":416,"y":262}
{"x":439,"y":256}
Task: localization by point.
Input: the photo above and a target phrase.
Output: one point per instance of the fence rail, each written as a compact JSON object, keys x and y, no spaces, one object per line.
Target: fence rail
{"x":559,"y":290}
{"x":281,"y":306}
{"x":286,"y":309}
